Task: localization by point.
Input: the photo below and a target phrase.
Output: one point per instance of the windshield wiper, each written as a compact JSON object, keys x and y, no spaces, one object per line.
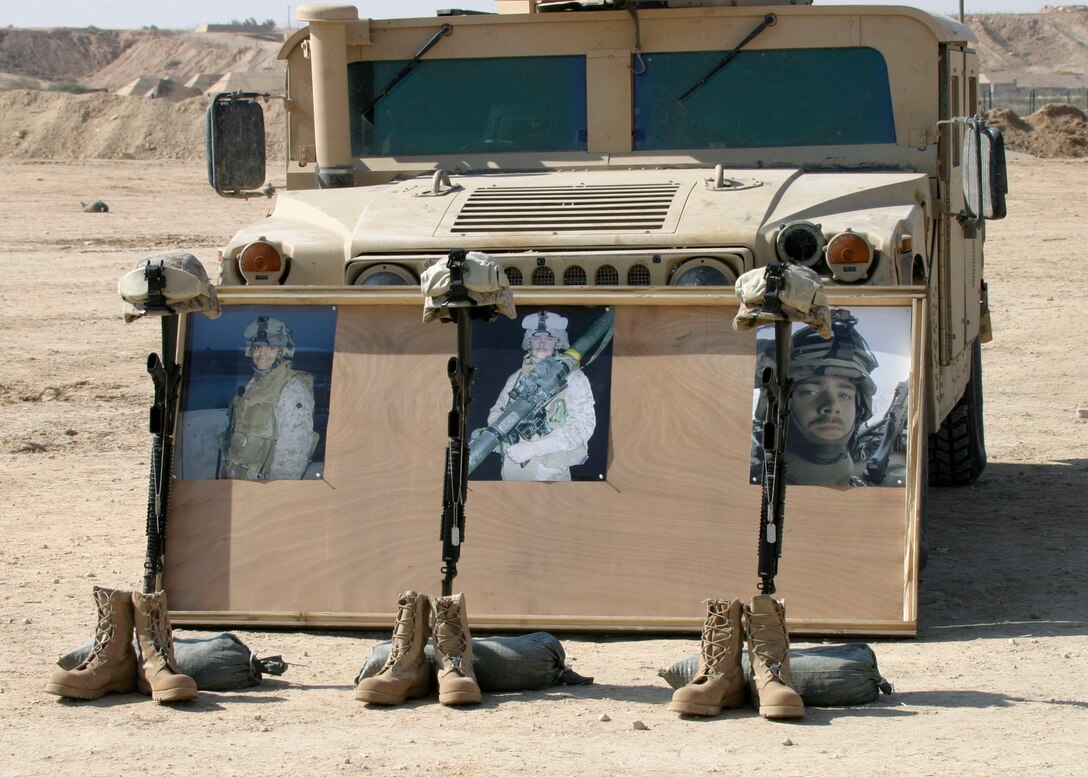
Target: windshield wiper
{"x":768,"y":21}
{"x":443,"y":31}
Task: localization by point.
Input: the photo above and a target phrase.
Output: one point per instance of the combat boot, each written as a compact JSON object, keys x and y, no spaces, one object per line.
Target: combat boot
{"x":111,"y":665}
{"x":769,"y":651}
{"x":453,"y":652}
{"x":405,"y":673}
{"x":720,"y":681}
{"x":158,"y":673}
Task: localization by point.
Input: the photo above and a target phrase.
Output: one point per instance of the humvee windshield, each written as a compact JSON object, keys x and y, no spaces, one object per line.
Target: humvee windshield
{"x":448,"y":106}
{"x":789,"y":97}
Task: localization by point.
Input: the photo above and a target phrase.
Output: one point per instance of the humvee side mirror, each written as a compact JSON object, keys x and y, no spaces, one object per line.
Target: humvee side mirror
{"x":985,"y":182}
{"x":235,"y":144}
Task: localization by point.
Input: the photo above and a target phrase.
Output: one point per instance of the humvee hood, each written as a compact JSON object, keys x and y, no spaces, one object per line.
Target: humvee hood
{"x":630,"y":208}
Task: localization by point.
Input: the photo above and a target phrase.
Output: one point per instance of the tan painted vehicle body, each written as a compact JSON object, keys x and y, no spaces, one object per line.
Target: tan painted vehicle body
{"x":672,"y":209}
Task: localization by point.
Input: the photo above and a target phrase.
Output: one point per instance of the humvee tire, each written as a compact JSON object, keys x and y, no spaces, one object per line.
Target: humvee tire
{"x":957,"y":451}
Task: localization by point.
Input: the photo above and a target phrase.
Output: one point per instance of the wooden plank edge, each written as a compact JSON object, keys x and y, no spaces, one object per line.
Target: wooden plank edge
{"x":523,"y":623}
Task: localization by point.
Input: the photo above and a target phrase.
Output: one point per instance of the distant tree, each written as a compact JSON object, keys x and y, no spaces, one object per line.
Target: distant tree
{"x":67,"y":84}
{"x":267,"y":24}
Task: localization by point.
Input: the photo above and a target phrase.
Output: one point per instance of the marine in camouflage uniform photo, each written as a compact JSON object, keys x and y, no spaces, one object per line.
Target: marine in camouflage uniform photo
{"x":557,"y":438}
{"x":270,"y":435}
{"x":829,"y":441}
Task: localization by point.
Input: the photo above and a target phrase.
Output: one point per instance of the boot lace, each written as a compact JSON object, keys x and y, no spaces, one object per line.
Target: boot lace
{"x":448,"y":634}
{"x":717,"y":634}
{"x":403,"y":631}
{"x":158,"y":630}
{"x":103,"y":635}
{"x":769,"y":638}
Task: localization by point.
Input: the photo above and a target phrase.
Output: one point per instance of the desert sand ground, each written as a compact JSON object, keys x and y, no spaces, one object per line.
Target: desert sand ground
{"x":994,"y":684}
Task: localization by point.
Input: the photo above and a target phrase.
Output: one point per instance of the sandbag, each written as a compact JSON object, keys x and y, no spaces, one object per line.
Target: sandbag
{"x":528,"y":662}
{"x":218,"y":663}
{"x":825,"y":675}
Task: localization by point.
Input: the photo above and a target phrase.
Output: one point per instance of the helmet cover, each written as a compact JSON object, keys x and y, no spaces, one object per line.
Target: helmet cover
{"x":270,"y":331}
{"x":545,"y":323}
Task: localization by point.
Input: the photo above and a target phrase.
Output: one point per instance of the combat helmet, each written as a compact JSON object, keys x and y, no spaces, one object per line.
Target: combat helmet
{"x":270,"y":331}
{"x":545,"y":322}
{"x":844,"y":354}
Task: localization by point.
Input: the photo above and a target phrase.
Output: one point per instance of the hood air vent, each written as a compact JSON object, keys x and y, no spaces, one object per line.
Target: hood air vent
{"x":638,"y":207}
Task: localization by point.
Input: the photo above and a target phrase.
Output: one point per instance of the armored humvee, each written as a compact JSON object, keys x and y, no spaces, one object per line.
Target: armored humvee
{"x":653,"y":150}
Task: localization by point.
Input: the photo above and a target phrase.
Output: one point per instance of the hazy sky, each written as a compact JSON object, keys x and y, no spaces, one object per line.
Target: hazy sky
{"x":134,"y":14}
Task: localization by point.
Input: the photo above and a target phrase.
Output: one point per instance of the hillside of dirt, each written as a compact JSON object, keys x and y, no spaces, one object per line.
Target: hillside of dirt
{"x":109,"y":59}
{"x":54,"y":125}
{"x":1054,"y":41}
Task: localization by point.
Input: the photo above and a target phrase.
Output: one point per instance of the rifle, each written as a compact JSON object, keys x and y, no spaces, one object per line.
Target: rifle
{"x":461,"y":375}
{"x":165,"y":374}
{"x":543,"y":384}
{"x":889,"y":427}
{"x":778,"y":388}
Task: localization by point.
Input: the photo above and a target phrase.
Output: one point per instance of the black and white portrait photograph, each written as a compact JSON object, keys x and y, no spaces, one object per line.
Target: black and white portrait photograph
{"x":542,"y":395}
{"x":255,"y":396}
{"x":849,"y":403}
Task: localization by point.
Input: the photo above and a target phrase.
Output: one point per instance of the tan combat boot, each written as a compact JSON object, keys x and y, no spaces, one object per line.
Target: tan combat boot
{"x":111,"y":666}
{"x":720,"y":682}
{"x":405,"y":674}
{"x":158,"y":673}
{"x":769,"y":650}
{"x":453,"y":652}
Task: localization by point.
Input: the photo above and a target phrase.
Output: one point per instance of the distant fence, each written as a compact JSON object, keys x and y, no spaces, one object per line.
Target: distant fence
{"x":1024,"y":100}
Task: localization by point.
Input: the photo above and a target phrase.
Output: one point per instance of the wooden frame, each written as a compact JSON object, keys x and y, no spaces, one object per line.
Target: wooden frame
{"x":674,"y":523}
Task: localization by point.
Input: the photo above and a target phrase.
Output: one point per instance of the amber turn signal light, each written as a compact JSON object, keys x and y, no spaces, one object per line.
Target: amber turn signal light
{"x":260,"y":257}
{"x":848,"y":248}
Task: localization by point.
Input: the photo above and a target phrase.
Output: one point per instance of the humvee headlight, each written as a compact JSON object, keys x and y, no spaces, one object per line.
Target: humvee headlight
{"x":386,"y":275}
{"x":849,"y":256}
{"x":703,"y":271}
{"x":261,"y":263}
{"x":801,"y":242}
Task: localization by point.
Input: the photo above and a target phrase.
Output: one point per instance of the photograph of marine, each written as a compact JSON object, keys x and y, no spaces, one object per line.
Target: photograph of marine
{"x":270,"y":434}
{"x":545,"y":416}
{"x":255,"y":394}
{"x":833,"y":439}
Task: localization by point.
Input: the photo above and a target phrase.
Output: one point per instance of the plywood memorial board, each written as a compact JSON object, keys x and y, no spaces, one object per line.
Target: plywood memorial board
{"x":313,"y":497}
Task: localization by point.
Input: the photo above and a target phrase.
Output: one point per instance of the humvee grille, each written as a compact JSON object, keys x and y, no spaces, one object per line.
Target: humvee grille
{"x":607,"y":275}
{"x":513,"y":274}
{"x":574,"y":276}
{"x":638,"y":275}
{"x":566,"y":208}
{"x":543,"y":276}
